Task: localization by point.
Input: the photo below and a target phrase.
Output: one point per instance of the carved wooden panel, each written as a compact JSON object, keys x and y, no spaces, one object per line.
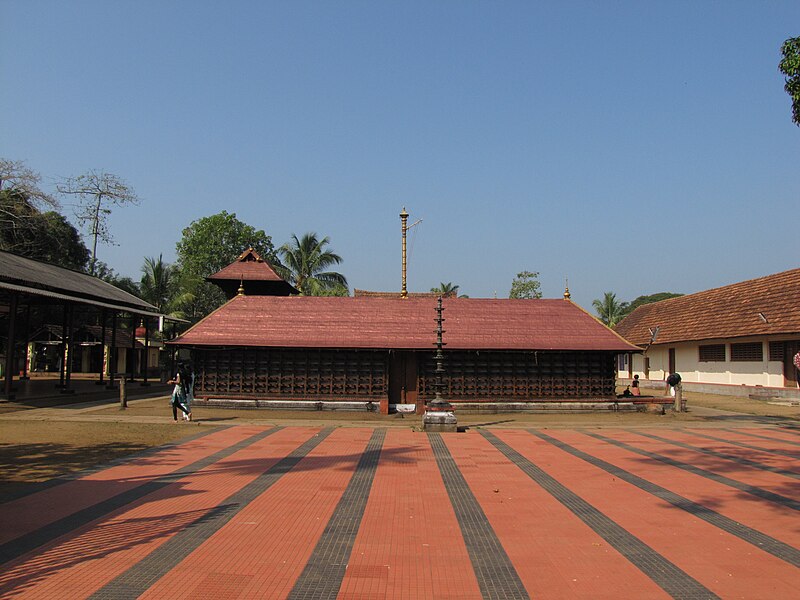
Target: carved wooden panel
{"x":521,"y":375}
{"x":291,"y":372}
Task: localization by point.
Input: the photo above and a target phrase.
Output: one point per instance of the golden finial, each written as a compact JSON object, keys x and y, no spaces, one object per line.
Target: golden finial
{"x":567,"y":295}
{"x":241,"y":286}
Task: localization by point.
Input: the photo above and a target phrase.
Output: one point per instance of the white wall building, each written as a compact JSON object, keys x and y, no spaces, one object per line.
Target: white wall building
{"x":736,"y":339}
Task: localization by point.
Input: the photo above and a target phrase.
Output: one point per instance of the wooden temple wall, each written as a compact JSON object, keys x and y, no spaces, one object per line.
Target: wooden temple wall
{"x":282,"y":373}
{"x":290,"y":373}
{"x":520,"y":376}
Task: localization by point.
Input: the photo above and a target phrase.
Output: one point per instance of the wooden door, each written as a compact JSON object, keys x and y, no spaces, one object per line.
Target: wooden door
{"x":672,"y":360}
{"x":403,"y":379}
{"x":790,"y":373}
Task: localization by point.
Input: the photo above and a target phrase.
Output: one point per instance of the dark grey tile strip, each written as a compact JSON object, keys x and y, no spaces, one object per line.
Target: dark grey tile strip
{"x":760,"y":540}
{"x":731,"y":457}
{"x":61,"y":479}
{"x":143,"y":575}
{"x":668,"y":576}
{"x":494,"y":570}
{"x":762,"y":437}
{"x":324,"y":572}
{"x":744,"y":445}
{"x":742,"y":487}
{"x":19,"y":546}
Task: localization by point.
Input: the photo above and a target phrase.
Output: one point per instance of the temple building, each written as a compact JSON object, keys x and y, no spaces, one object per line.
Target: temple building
{"x":270,"y":348}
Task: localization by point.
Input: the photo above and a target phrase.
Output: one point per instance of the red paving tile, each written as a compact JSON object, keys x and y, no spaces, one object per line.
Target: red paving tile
{"x":263,"y":550}
{"x":409,"y":544}
{"x":76,"y":565}
{"x":729,"y":566}
{"x":768,"y":517}
{"x":554,"y":552}
{"x":743,"y":438}
{"x":31,"y":512}
{"x":765,"y":458}
{"x":778,"y":433}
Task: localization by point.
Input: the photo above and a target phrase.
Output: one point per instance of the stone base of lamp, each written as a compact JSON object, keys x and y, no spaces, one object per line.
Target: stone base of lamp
{"x":440,"y":419}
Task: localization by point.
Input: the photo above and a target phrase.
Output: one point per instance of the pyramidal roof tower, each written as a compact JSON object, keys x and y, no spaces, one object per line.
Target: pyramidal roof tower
{"x":254,"y":275}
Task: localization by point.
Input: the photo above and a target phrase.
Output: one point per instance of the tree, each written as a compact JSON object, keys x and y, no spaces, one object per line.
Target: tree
{"x":15,"y":175}
{"x":96,"y":191}
{"x":336,"y":290}
{"x":790,"y":67}
{"x":642,"y":300}
{"x":609,"y":309}
{"x":306,"y":261}
{"x":206,"y":246}
{"x":446,"y":290}
{"x":157,"y":285}
{"x":107,"y":274}
{"x":45,"y":236}
{"x":526,"y":286}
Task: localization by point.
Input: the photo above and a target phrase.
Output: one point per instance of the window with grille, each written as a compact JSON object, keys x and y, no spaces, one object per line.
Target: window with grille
{"x":712,"y":353}
{"x":751,"y":351}
{"x":776,"y":351}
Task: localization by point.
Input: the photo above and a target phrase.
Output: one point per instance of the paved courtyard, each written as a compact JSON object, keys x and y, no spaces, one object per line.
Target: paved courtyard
{"x":250,"y":511}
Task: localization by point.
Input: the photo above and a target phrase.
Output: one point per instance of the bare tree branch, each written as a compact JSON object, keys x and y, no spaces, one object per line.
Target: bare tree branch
{"x":15,"y":175}
{"x":96,"y":190}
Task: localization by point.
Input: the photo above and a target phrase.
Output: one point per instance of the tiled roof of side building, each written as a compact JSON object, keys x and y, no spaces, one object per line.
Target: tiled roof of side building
{"x":395,"y":323}
{"x":43,"y":277}
{"x":765,"y":306}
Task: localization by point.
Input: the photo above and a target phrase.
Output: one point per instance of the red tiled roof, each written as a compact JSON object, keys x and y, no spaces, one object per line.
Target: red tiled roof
{"x":249,"y":266}
{"x":725,"y":312}
{"x":378,"y":323}
{"x":370,"y":294}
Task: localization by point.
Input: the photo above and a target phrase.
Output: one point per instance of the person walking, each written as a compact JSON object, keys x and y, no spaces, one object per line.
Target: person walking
{"x":181,"y":393}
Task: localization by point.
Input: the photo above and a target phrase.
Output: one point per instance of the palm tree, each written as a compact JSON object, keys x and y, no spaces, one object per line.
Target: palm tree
{"x":306,"y":262}
{"x":446,"y":290}
{"x":609,"y":309}
{"x":158,"y":282}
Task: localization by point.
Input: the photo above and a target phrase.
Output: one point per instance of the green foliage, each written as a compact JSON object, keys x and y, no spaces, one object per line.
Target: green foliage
{"x":207,"y":245}
{"x":447,"y":290}
{"x":526,"y":286}
{"x":306,"y":261}
{"x":609,"y":309}
{"x":790,"y":67}
{"x":336,"y":290}
{"x":642,"y":300}
{"x":158,"y":283}
{"x":107,"y":274}
{"x":45,"y":236}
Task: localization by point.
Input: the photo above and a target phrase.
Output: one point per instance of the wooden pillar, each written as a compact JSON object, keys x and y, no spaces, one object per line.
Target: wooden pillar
{"x":62,"y":368}
{"x":112,"y":353}
{"x":103,"y":319}
{"x":132,"y":366}
{"x":25,"y":335}
{"x":146,"y":361}
{"x":172,"y":353}
{"x":10,"y":343}
{"x":69,"y":348}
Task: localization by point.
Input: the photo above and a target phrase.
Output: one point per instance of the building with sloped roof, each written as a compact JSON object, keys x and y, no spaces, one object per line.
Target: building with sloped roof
{"x":268,"y":350}
{"x":27,"y":283}
{"x":261,"y":277}
{"x":729,"y":339}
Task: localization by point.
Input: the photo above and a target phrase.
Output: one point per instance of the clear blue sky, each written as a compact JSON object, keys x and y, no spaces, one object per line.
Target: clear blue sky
{"x":634,"y":147}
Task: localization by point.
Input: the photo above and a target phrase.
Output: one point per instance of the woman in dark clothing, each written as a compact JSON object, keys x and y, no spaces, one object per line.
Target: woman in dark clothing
{"x":182,"y":391}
